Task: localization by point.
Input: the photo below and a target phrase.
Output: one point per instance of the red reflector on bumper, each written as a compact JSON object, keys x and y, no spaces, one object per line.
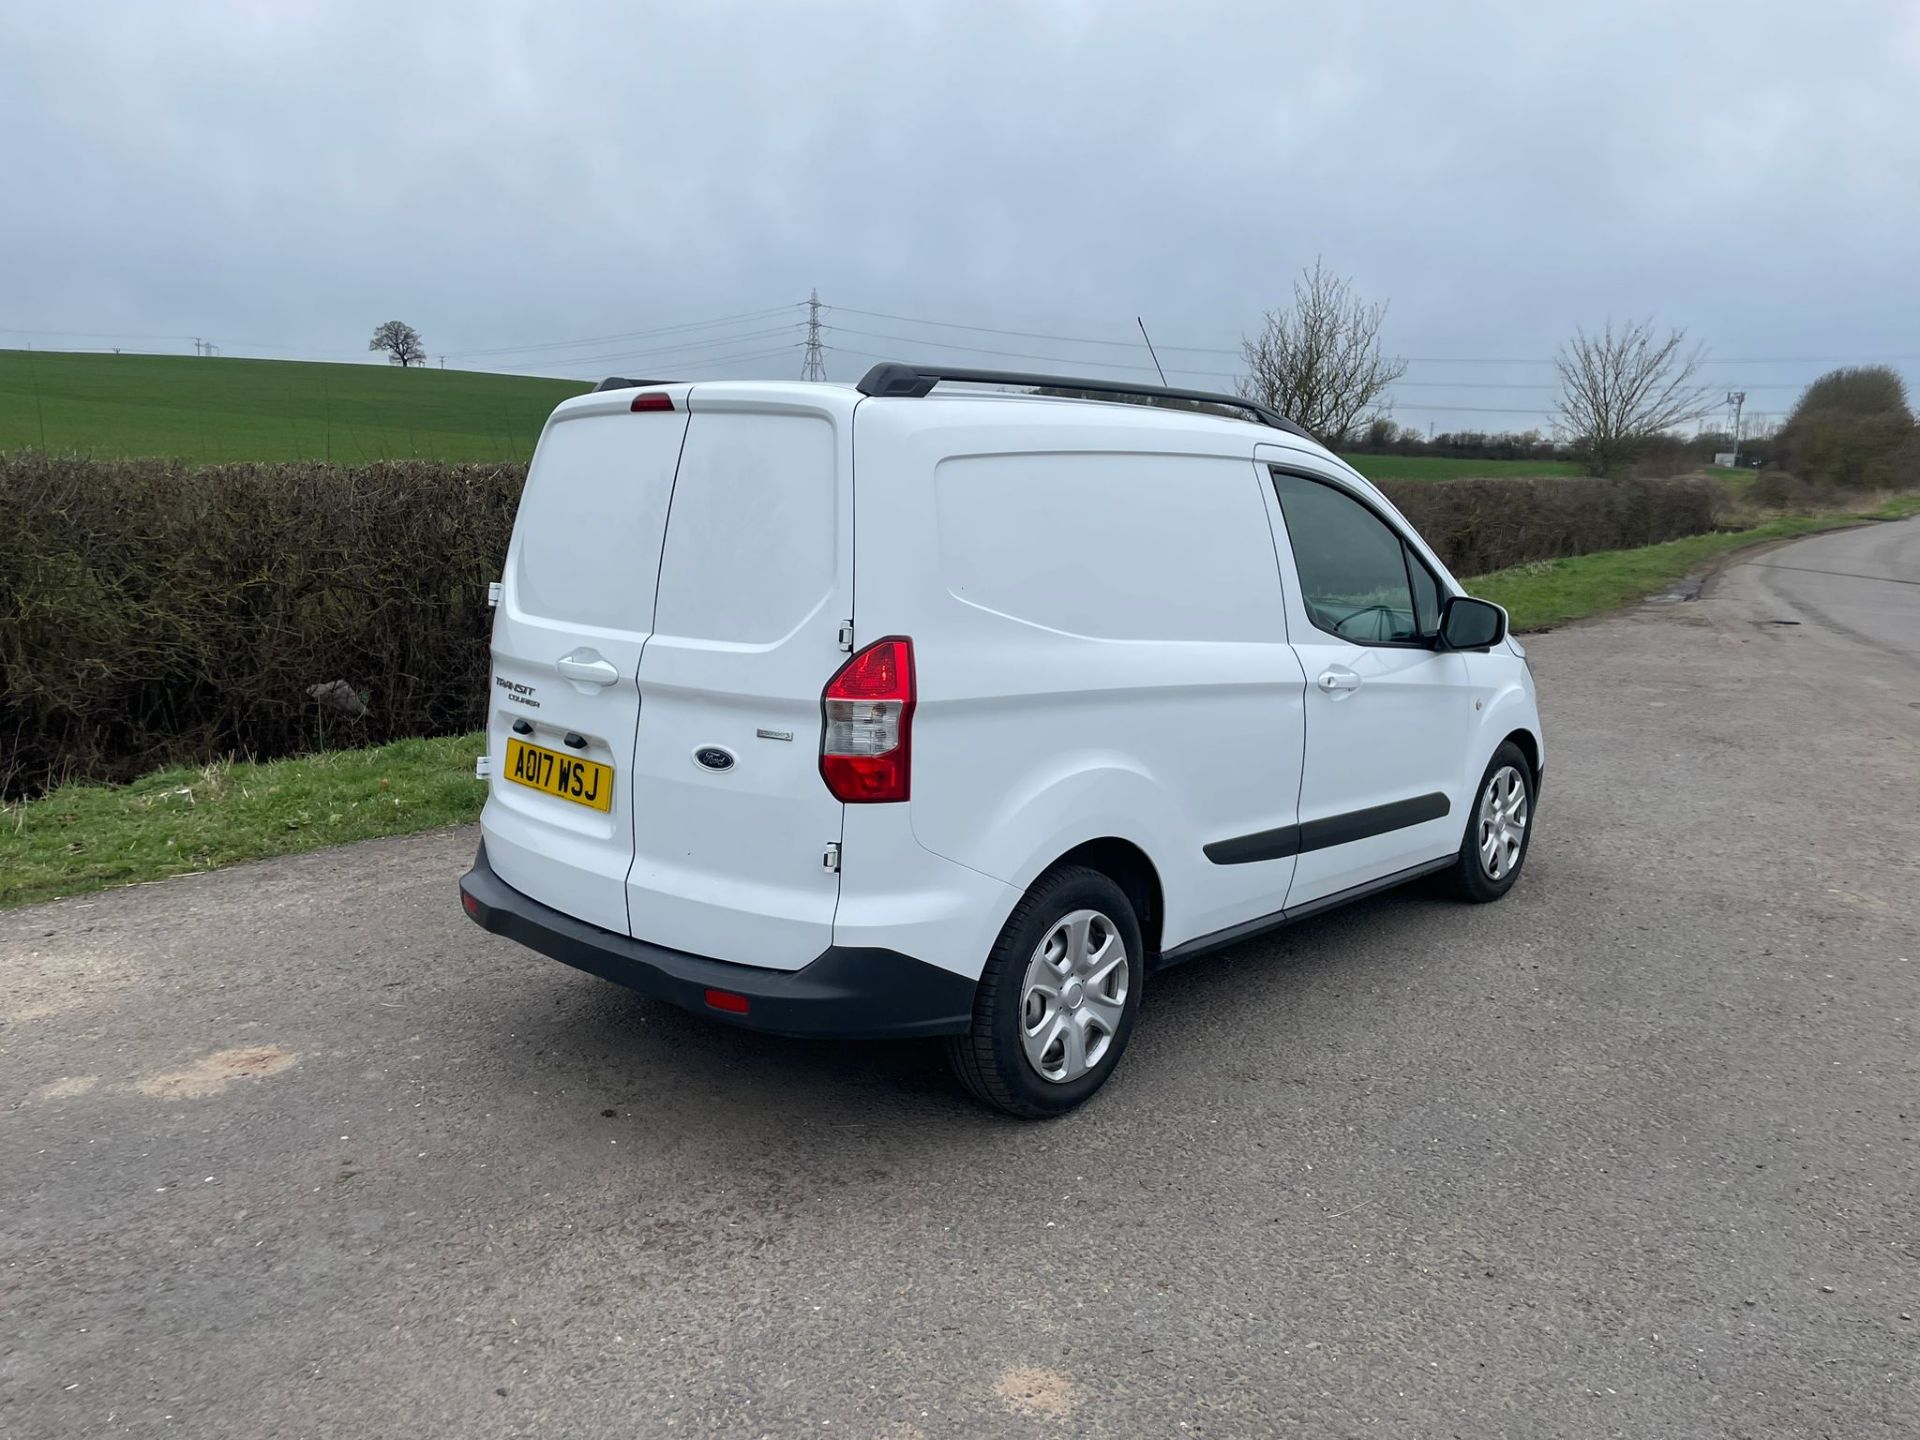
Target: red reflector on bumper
{"x":727,"y":1000}
{"x":471,"y":905}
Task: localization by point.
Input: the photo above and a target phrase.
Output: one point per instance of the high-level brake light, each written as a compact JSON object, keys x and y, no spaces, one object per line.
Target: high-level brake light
{"x":652,"y":400}
{"x":866,"y":742}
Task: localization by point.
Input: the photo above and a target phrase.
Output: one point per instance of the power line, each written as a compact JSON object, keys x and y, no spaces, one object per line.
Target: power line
{"x":628,"y":334}
{"x":989,"y":330}
{"x":1533,"y":385}
{"x":703,"y":342}
{"x":1437,"y":409}
{"x":663,"y":362}
{"x":1395,"y":389}
{"x":976,"y":350}
{"x":1410,"y":359}
{"x":1141,"y":369}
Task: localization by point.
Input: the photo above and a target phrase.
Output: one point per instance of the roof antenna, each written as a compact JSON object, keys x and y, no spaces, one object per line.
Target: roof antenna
{"x":1149,"y":339}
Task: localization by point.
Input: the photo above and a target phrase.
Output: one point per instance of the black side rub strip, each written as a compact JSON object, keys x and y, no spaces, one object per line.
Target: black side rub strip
{"x":1247,"y":929}
{"x":1333,"y":830}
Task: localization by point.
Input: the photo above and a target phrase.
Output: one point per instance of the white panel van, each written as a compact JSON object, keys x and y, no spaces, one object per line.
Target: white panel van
{"x":950,"y":704}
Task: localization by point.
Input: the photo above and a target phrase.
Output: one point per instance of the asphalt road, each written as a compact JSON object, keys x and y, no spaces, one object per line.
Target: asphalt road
{"x":295,"y":1149}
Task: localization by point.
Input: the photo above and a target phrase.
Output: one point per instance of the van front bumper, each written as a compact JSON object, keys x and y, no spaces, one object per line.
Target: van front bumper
{"x":847,"y":992}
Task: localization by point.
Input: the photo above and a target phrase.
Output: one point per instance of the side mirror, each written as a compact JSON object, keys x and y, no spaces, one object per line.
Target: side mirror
{"x":1469,"y":624}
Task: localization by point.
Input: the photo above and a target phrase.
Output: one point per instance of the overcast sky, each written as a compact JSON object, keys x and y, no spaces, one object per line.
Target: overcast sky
{"x":279,"y":177}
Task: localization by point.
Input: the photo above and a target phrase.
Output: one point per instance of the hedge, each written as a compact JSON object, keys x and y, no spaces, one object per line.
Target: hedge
{"x":154,"y":613}
{"x":1478,"y":526}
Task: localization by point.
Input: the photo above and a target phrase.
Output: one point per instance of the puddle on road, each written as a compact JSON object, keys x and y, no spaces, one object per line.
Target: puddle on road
{"x":1687,"y":589}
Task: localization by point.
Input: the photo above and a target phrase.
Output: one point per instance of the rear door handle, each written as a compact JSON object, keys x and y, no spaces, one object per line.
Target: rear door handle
{"x":1338,"y":679}
{"x":587,"y":667}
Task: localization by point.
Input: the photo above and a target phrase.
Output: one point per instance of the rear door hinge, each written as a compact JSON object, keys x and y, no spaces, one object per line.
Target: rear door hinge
{"x":483,"y":767}
{"x":846,"y":636}
{"x":830,"y":858}
{"x":493,"y":593}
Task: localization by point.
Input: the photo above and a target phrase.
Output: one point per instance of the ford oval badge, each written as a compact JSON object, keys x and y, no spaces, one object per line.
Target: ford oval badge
{"x":714,"y":758}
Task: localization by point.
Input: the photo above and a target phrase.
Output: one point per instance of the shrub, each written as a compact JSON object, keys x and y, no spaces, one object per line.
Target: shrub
{"x":1853,"y":429}
{"x":1777,"y":490}
{"x":1482,"y":525}
{"x":152,"y":613}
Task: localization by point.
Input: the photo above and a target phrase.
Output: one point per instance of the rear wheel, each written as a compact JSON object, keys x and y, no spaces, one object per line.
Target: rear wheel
{"x":1499,"y":827}
{"x":1058,"y":997}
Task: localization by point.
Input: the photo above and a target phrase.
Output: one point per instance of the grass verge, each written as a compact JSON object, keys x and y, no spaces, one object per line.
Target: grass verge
{"x":89,"y":837}
{"x":1552,"y":592}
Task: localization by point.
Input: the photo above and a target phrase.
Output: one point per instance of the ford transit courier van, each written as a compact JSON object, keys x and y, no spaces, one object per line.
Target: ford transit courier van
{"x":922,"y":708}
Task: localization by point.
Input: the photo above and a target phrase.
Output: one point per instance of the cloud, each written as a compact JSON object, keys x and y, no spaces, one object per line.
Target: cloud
{"x":289,"y":175}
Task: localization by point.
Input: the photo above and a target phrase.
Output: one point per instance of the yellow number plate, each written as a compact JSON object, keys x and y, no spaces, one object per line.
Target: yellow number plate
{"x":584,"y":782}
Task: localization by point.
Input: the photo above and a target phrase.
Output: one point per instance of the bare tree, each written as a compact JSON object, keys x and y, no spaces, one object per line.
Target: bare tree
{"x":1621,"y":388}
{"x":401,"y":342}
{"x":1319,"y":364}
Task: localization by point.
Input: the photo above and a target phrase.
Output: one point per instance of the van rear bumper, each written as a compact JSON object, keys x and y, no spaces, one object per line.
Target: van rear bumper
{"x":846,"y":992}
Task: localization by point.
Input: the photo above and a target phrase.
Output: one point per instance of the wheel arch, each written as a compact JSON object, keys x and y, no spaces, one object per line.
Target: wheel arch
{"x":1529,"y":745}
{"x":1129,"y":867}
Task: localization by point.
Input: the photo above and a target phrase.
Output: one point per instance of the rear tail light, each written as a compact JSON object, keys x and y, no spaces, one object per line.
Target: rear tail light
{"x":866,"y":740}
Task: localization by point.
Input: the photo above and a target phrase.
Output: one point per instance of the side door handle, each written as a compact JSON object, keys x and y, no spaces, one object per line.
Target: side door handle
{"x":1337,"y":679}
{"x":587,"y":667}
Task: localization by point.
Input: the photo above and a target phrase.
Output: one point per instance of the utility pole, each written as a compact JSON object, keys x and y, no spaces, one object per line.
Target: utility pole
{"x":1737,"y":399}
{"x":815,"y":365}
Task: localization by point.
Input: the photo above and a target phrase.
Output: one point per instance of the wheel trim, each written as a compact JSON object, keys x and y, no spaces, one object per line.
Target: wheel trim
{"x":1073,"y":995}
{"x":1501,"y":823}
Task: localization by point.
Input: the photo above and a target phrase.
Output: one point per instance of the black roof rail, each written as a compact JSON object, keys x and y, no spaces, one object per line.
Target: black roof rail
{"x":614,"y":382}
{"x":912,"y":381}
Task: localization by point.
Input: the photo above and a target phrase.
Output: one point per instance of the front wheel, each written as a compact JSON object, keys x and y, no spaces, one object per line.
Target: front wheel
{"x":1499,"y":828}
{"x":1058,"y":997}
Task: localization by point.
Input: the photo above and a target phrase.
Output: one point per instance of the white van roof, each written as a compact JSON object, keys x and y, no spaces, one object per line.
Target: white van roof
{"x":898,"y":381}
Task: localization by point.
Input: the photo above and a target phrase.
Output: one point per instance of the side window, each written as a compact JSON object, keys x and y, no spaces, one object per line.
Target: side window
{"x":1354,"y":570}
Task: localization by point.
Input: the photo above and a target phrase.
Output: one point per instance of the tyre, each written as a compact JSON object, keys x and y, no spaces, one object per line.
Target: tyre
{"x":1058,"y":997}
{"x":1499,"y":827}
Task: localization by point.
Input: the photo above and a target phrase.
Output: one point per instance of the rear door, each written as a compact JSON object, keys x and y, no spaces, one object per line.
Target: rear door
{"x":1388,"y":715}
{"x":732,"y":823}
{"x":575,"y":612}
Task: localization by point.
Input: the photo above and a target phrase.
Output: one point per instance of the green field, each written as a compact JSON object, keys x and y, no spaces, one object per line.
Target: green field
{"x":1440,"y":467}
{"x":219,"y":409}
